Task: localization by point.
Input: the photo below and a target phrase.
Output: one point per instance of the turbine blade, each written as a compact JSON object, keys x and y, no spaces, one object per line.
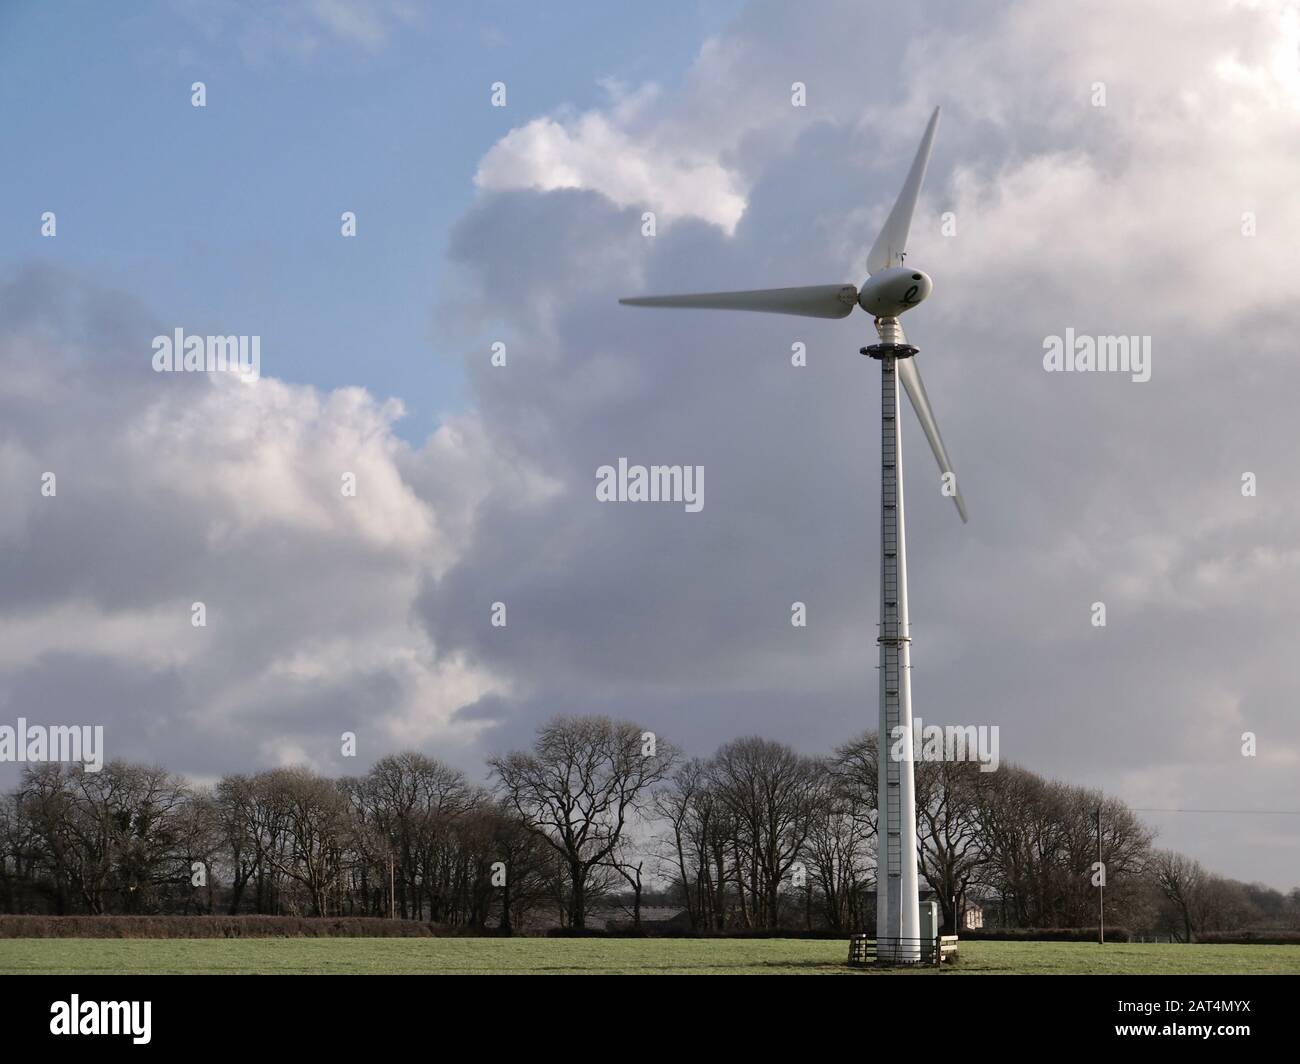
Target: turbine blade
{"x":813,"y":301}
{"x":890,"y":245}
{"x":911,"y":378}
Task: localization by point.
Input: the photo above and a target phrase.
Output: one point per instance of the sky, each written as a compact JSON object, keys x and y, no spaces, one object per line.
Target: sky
{"x":1137,"y":183}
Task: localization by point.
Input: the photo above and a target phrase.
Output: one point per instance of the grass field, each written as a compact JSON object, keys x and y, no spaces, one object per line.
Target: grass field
{"x":605,"y":956}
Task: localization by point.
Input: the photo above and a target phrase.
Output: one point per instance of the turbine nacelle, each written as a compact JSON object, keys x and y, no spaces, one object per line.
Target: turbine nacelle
{"x":889,"y":293}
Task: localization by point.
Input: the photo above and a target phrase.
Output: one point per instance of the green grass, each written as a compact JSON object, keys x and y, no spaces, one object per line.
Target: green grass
{"x":604,"y":956}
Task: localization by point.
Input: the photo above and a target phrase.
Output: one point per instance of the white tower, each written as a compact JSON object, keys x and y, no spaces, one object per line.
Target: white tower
{"x":897,"y":909}
{"x":889,"y":291}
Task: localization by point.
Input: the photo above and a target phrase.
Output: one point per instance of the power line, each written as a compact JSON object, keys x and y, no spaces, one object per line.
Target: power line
{"x":1253,"y":812}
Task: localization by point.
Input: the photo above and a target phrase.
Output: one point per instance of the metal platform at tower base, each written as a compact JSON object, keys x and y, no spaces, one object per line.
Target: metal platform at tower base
{"x":888,"y":351}
{"x":868,"y":951}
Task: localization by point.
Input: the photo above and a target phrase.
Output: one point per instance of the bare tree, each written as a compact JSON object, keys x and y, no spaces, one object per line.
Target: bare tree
{"x":1180,"y":880}
{"x":769,"y":789}
{"x":315,"y":812}
{"x":578,"y":787}
{"x":682,"y":803}
{"x":948,"y":830}
{"x":627,"y":863}
{"x":839,"y":850}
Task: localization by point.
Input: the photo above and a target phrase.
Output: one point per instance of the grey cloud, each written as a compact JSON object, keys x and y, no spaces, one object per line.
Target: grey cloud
{"x":1082,"y":488}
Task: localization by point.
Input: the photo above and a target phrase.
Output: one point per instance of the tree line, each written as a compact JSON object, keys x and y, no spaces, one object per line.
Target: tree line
{"x":599,"y":815}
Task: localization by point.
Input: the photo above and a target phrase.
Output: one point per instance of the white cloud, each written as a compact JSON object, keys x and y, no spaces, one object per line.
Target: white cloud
{"x":595,"y":151}
{"x":365,"y":22}
{"x":176,"y":489}
{"x":264,"y":32}
{"x":142,"y":638}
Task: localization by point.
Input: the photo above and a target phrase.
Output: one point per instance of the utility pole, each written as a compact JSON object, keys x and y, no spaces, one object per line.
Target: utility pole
{"x":1101,"y":887}
{"x":392,"y":894}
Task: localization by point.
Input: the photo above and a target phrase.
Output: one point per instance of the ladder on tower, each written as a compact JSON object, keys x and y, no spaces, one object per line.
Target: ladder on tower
{"x":891,"y":635}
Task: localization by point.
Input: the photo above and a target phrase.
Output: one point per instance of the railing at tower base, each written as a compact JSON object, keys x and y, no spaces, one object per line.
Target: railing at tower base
{"x":902,"y":952}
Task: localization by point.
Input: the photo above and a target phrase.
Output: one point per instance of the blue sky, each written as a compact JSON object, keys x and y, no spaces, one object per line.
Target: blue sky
{"x":226,"y":218}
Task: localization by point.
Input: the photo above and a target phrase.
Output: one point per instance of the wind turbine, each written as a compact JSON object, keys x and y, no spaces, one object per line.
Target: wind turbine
{"x":890,"y":289}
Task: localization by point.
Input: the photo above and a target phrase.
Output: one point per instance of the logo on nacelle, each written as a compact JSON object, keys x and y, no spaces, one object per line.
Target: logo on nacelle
{"x":889,"y":293}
